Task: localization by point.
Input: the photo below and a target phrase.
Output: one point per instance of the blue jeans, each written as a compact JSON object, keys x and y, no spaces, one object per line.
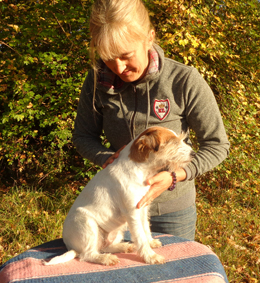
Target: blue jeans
{"x":179,"y":223}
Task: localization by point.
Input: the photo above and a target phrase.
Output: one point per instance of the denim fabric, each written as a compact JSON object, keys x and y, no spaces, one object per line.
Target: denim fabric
{"x":179,"y":223}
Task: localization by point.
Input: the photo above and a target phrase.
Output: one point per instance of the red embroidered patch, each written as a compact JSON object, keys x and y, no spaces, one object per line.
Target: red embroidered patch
{"x":161,"y":108}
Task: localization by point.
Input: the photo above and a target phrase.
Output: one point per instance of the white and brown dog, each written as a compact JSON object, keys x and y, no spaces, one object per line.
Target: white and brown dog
{"x":96,"y":221}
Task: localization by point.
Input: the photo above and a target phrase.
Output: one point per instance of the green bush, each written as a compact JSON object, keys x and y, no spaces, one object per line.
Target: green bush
{"x":44,"y":60}
{"x":221,"y":39}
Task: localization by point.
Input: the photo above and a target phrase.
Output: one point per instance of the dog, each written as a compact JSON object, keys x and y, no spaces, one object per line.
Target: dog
{"x":94,"y":227}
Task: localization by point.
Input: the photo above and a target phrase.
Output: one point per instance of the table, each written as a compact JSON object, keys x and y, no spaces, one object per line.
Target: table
{"x":187,"y":262}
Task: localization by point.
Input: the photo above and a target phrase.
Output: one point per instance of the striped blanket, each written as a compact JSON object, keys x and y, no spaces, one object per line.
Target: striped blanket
{"x":187,"y":262}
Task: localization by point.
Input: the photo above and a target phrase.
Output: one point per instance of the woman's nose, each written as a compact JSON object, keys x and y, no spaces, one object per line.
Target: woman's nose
{"x":119,"y":66}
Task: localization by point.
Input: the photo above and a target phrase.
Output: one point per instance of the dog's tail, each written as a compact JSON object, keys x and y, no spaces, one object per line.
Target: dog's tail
{"x":61,"y":258}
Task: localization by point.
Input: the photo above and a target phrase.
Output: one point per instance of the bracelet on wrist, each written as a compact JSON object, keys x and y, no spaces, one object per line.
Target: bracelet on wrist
{"x":174,"y":181}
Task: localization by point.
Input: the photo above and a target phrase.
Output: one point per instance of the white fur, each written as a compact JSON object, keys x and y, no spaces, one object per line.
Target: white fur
{"x":98,"y":218}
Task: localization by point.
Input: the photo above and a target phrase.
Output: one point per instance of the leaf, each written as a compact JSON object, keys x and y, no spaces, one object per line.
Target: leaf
{"x":183,"y":42}
{"x":15,"y":27}
{"x":30,"y":105}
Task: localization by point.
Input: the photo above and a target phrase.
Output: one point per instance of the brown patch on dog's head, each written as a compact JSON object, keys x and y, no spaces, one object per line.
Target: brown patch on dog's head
{"x":149,"y":141}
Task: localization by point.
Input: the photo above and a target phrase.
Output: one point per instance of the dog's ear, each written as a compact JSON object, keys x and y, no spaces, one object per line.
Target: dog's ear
{"x":183,"y":136}
{"x":148,"y":142}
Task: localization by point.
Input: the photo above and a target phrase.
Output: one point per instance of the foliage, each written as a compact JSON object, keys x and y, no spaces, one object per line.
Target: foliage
{"x":221,"y":39}
{"x":231,"y":229}
{"x":31,"y":216}
{"x":43,"y":62}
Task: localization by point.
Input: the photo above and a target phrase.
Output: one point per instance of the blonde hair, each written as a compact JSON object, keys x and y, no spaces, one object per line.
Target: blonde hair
{"x":116,"y":23}
{"x":113,"y":25}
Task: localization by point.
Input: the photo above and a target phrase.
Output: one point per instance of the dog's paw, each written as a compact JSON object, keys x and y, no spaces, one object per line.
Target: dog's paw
{"x":155,"y":259}
{"x":129,"y":248}
{"x":109,"y":259}
{"x":155,"y":244}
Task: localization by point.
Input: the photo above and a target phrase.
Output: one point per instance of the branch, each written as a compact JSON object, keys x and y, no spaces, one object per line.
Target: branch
{"x":1,"y":42}
{"x":61,"y":27}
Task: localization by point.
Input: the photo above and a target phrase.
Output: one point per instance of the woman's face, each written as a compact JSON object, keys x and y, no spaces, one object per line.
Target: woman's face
{"x":132,"y":65}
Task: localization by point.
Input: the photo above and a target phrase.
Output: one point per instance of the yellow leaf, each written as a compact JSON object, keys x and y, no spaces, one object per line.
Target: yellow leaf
{"x":203,"y":46}
{"x":182,"y":8}
{"x":253,"y":279}
{"x":192,"y":50}
{"x":194,"y":43}
{"x":218,"y":19}
{"x":183,"y":42}
{"x":15,"y":27}
{"x":30,"y":105}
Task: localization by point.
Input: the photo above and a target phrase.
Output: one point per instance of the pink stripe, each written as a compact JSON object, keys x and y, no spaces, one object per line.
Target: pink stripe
{"x":183,"y":250}
{"x":203,"y":278}
{"x":30,"y":267}
{"x":162,"y":236}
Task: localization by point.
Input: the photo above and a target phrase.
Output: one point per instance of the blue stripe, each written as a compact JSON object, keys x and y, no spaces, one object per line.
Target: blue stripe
{"x":145,"y":274}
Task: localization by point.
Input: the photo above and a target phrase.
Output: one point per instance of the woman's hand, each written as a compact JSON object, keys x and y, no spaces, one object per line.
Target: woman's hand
{"x":160,"y":183}
{"x":112,"y":157}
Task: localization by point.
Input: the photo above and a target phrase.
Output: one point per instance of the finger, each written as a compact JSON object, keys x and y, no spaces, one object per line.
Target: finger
{"x":109,"y":161}
{"x":143,"y":204}
{"x":113,"y":157}
{"x":152,"y":194}
{"x":122,"y":148}
{"x":150,"y":182}
{"x":146,"y":200}
{"x":153,"y":180}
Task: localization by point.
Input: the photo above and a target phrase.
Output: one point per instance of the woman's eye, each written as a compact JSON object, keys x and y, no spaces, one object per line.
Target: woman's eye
{"x":127,"y":56}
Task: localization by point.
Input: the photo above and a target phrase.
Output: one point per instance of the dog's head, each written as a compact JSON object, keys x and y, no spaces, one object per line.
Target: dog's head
{"x":162,"y":148}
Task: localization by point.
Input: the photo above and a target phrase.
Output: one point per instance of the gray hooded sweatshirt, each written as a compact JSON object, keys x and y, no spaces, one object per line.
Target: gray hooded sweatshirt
{"x":174,"y":96}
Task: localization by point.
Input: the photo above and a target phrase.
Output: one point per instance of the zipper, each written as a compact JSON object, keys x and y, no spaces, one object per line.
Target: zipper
{"x":132,"y":122}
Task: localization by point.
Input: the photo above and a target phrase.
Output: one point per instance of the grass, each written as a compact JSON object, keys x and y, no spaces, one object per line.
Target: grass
{"x":30,"y":216}
{"x":228,"y":222}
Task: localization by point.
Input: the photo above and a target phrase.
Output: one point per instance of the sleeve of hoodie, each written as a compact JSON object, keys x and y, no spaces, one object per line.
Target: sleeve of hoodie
{"x":203,"y":116}
{"x":89,"y":126}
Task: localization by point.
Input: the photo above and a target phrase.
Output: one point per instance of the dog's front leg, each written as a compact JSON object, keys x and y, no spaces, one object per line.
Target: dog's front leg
{"x":139,"y":238}
{"x":154,"y":243}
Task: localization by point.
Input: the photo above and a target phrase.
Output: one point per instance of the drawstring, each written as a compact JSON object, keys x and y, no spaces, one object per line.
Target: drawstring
{"x":148,"y":105}
{"x":147,"y":113}
{"x":121,"y":104}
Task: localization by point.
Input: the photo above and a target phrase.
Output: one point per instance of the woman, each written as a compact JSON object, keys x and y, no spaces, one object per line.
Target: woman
{"x":133,"y":86}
